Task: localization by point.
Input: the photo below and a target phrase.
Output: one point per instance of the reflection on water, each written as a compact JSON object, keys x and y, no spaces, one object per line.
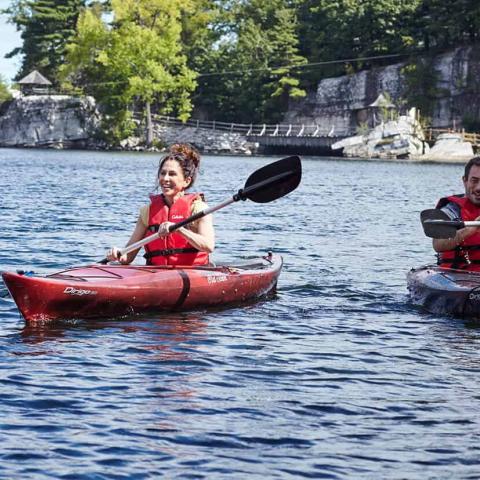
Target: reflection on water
{"x":172,"y":340}
{"x":163,"y":329}
{"x":336,"y":376}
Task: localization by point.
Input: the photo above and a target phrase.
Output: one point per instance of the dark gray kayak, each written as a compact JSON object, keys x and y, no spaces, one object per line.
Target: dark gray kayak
{"x":445,"y":291}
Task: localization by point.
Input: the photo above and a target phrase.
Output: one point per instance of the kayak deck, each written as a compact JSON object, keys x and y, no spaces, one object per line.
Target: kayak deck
{"x":103,"y":291}
{"x":445,"y":291}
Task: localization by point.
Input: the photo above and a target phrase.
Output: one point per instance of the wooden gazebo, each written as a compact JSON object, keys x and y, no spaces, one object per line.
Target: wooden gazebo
{"x":34,"y":83}
{"x":379,"y":108}
{"x":374,"y":113}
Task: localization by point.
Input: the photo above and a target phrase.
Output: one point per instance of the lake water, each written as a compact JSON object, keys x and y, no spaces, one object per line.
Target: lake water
{"x":336,"y":377}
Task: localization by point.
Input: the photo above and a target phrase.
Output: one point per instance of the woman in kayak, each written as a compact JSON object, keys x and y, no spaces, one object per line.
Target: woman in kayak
{"x":189,"y":245}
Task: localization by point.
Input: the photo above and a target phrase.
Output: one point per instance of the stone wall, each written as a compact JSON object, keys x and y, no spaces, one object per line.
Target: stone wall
{"x":342,"y":101}
{"x":207,"y":141}
{"x":61,"y":121}
{"x":50,"y":121}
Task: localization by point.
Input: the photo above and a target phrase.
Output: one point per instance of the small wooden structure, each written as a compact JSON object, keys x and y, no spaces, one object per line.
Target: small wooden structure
{"x":35,"y":83}
{"x":382,"y":102}
{"x":371,"y":115}
{"x":379,"y":108}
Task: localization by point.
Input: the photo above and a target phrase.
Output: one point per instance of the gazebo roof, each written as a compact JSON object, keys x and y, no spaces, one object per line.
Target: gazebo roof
{"x":382,"y":102}
{"x":34,"y":78}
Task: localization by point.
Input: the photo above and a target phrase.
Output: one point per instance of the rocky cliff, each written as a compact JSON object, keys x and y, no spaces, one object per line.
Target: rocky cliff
{"x":340,"y":105}
{"x":59,"y":121}
{"x":343,"y":102}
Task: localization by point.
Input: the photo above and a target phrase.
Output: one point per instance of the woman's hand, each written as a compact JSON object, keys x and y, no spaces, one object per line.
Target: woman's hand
{"x":114,"y":255}
{"x":163,"y":229}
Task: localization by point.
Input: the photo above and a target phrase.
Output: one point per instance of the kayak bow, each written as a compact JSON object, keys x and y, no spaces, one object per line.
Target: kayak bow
{"x":445,"y":291}
{"x":97,"y":291}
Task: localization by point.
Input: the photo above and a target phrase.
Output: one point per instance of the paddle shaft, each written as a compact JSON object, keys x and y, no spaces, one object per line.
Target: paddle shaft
{"x":456,"y":224}
{"x":471,"y":223}
{"x":242,"y":194}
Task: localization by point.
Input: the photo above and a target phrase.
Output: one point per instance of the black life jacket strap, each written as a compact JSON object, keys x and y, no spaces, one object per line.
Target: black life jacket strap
{"x":153,"y":228}
{"x":167,"y":252}
{"x":470,"y":247}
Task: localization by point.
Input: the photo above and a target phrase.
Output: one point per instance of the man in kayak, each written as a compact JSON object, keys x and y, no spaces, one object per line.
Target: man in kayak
{"x":462,"y":251}
{"x":189,"y":245}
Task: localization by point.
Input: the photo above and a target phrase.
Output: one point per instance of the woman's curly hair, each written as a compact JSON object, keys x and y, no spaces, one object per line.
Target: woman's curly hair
{"x":187,"y":157}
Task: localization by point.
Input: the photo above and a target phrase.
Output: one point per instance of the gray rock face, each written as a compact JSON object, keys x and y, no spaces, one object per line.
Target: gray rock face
{"x":208,"y":141}
{"x":49,"y":121}
{"x":449,"y":147}
{"x":343,"y":101}
{"x":400,"y":138}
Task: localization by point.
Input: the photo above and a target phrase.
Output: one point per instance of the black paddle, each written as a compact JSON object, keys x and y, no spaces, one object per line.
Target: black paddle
{"x":264,"y":185}
{"x":437,"y":224}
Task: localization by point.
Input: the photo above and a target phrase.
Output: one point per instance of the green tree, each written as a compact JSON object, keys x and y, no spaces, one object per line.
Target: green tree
{"x":285,"y":83}
{"x":202,"y":27}
{"x":258,"y":42}
{"x":46,"y":26}
{"x":4,"y":91}
{"x":440,"y":25}
{"x":349,"y":29}
{"x":138,"y":61}
{"x":421,"y":80}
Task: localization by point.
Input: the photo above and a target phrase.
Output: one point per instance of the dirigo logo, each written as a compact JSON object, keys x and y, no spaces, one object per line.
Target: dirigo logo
{"x":78,"y":291}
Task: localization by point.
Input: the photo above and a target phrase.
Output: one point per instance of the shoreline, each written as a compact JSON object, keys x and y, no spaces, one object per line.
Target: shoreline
{"x":417,"y":159}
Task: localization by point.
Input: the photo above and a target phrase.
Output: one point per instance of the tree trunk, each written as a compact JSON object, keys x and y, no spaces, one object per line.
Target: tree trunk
{"x":149,"y":135}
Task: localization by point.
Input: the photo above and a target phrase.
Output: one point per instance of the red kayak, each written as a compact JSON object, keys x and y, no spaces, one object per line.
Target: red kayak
{"x":97,"y":291}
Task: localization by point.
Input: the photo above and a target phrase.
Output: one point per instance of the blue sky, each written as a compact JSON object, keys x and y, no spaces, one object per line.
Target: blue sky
{"x":9,"y":39}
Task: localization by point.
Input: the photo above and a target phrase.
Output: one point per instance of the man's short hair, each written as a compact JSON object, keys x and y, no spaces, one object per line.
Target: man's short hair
{"x":473,"y":161}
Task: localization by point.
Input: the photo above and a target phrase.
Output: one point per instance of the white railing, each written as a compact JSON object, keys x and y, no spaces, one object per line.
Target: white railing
{"x":251,"y":130}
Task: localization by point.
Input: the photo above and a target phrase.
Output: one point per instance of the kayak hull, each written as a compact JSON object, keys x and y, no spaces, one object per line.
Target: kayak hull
{"x":445,"y":291}
{"x":97,"y":291}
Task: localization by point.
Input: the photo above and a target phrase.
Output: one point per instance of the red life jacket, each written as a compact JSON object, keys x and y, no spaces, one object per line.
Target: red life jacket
{"x":173,"y":249}
{"x":467,"y":255}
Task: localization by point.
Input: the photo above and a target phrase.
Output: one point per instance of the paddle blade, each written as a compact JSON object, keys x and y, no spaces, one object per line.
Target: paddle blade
{"x":273,"y":180}
{"x":437,"y":224}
